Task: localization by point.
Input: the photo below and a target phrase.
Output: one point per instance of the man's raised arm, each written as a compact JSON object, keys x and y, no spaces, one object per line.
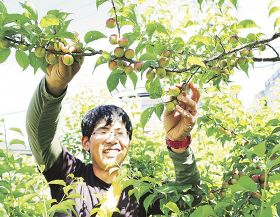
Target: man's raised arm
{"x":43,"y":111}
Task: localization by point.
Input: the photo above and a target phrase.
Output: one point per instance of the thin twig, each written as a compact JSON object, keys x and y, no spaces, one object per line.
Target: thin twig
{"x":115,"y":11}
{"x":221,"y":43}
{"x":273,"y":49}
{"x":229,"y":130}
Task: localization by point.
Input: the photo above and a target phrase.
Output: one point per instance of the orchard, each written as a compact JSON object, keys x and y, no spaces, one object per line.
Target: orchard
{"x":237,"y":151}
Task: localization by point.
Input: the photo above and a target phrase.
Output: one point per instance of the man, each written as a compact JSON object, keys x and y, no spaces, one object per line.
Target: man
{"x":106,"y":135}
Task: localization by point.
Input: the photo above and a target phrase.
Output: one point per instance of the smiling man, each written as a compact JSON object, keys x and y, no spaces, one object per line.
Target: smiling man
{"x":106,"y":135}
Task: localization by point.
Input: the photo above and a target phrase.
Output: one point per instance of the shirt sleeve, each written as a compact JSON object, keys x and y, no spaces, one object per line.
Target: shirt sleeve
{"x":41,"y":124}
{"x":186,"y":171}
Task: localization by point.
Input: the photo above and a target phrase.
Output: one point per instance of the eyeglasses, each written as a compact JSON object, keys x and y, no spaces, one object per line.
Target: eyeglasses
{"x":119,"y":135}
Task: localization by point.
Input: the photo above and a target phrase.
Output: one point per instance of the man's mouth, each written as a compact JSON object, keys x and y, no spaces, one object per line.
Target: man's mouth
{"x":111,"y":150}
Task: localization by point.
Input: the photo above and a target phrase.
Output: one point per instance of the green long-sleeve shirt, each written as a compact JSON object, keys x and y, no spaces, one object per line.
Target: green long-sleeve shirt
{"x":41,"y":123}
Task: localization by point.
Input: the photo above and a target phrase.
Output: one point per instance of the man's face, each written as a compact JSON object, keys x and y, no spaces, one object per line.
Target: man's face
{"x":108,"y":145}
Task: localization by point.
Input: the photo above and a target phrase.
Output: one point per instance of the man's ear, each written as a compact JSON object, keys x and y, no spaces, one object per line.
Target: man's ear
{"x":85,"y":143}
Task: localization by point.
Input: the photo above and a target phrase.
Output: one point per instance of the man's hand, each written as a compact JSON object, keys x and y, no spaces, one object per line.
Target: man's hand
{"x":179,"y":123}
{"x":59,"y":75}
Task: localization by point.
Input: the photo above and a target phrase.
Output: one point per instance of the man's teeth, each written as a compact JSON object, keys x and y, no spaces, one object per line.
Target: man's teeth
{"x":109,"y":150}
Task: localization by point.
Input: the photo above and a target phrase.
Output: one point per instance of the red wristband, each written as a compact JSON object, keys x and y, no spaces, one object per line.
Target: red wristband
{"x":185,"y":143}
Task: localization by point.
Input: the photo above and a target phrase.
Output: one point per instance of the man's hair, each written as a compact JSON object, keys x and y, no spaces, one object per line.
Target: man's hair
{"x":109,"y":113}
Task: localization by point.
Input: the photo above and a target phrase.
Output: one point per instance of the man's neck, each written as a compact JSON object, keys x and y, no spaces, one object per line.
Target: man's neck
{"x":104,"y":175}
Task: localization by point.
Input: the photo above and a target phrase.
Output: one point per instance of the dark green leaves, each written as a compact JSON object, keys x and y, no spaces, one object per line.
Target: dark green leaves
{"x":22,"y":59}
{"x":93,"y":35}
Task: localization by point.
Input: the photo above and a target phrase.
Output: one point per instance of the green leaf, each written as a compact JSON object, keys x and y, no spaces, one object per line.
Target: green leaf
{"x":273,"y":122}
{"x":188,"y":199}
{"x":275,"y":199}
{"x":57,"y":182}
{"x":203,"y":211}
{"x":33,"y":14}
{"x":275,"y":149}
{"x":275,"y":130}
{"x":148,"y":56}
{"x":260,"y":149}
{"x":146,"y":115}
{"x":150,"y":29}
{"x":17,"y":142}
{"x":272,"y":163}
{"x":192,"y":60}
{"x":274,"y":177}
{"x":49,"y":20}
{"x":159,"y":109}
{"x":155,"y":89}
{"x":22,"y":59}
{"x":160,"y":28}
{"x":247,"y":184}
{"x":173,"y":207}
{"x":273,"y":10}
{"x":123,"y":79}
{"x":93,"y":35}
{"x":3,"y":8}
{"x":16,"y":130}
{"x":131,"y":36}
{"x":244,"y":67}
{"x":16,"y":18}
{"x":266,"y":212}
{"x":246,"y":24}
{"x":178,"y":44}
{"x":100,"y":2}
{"x":35,"y":62}
{"x":199,"y":2}
{"x":113,"y":80}
{"x":133,"y":77}
{"x":234,"y":2}
{"x":277,"y":22}
{"x":100,"y":60}
{"x":4,"y":54}
{"x":140,"y":47}
{"x":149,"y":201}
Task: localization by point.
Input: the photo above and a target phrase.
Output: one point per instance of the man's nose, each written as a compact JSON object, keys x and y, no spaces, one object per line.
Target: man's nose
{"x":112,"y":138}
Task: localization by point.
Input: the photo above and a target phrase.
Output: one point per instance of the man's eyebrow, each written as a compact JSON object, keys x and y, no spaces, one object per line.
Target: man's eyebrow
{"x":102,"y":128}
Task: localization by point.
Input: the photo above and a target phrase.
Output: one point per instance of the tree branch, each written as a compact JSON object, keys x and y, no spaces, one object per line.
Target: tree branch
{"x":115,"y":11}
{"x":220,"y":56}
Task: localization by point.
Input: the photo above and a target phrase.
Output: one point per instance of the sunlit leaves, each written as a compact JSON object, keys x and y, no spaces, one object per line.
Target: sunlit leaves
{"x":93,"y":35}
{"x":49,"y":20}
{"x":192,"y":60}
{"x":246,"y":24}
{"x":273,"y":10}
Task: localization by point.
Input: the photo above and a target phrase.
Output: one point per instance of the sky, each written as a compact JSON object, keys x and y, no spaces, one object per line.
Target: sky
{"x":17,"y":86}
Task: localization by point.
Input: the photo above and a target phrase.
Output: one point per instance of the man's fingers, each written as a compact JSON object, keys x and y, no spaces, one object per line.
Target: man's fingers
{"x":187,"y":102}
{"x":195,"y":92}
{"x":184,"y":113}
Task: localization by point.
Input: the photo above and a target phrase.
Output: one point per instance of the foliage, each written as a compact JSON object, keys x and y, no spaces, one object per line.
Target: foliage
{"x":231,"y":144}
